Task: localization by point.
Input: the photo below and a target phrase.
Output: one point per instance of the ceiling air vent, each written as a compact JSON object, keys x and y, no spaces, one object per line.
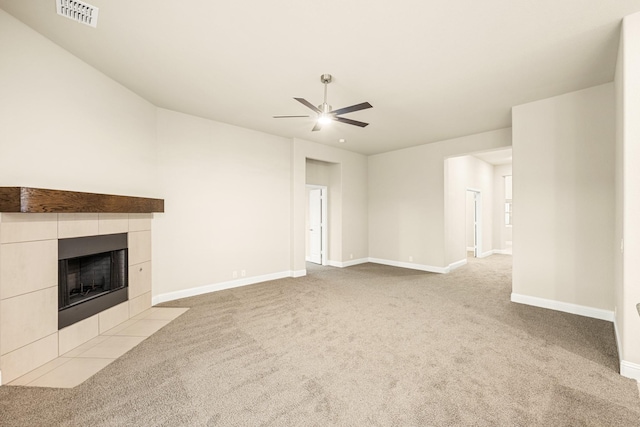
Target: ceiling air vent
{"x":78,"y":11}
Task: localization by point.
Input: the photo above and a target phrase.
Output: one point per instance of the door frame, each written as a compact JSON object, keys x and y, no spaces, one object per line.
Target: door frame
{"x":477,"y":221}
{"x":324,"y":224}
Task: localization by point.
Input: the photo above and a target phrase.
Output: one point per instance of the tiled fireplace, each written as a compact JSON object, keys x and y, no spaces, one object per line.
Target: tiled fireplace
{"x":29,"y":334}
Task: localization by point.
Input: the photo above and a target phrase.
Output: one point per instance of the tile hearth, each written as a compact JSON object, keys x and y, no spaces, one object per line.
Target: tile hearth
{"x":76,"y":366}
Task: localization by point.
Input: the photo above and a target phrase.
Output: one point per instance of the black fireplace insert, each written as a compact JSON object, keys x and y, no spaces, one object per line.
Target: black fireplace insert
{"x":92,"y":276}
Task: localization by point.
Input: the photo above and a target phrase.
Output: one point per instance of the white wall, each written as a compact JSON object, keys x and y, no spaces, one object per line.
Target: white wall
{"x":317,"y":172}
{"x":64,"y":125}
{"x":465,"y":172}
{"x":227,"y":197}
{"x":627,"y":191}
{"x":563,"y":190}
{"x":406,"y":198}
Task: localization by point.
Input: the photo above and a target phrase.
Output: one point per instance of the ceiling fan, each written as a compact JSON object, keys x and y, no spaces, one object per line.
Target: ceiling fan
{"x":324,"y":111}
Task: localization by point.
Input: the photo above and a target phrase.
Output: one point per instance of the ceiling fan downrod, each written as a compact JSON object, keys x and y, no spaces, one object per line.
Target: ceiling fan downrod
{"x":325,"y":107}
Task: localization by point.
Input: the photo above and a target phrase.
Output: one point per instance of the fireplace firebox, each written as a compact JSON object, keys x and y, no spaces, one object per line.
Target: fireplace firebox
{"x":92,"y":276}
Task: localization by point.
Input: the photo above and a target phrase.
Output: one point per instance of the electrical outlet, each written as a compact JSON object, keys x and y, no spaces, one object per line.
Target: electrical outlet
{"x":243,"y":273}
{"x":235,"y":274}
{"x":350,"y":256}
{"x":410,"y":258}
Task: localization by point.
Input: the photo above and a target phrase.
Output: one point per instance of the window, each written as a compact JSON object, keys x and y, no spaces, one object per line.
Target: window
{"x":508,"y":202}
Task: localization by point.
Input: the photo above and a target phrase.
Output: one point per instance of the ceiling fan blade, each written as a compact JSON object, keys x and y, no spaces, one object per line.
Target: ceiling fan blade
{"x":308,"y":104}
{"x":287,"y":117}
{"x":317,"y":127}
{"x":350,"y":122}
{"x":357,"y":107}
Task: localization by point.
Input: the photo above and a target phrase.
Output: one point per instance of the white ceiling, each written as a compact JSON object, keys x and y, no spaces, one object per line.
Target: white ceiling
{"x":496,"y":157}
{"x":432,"y":70}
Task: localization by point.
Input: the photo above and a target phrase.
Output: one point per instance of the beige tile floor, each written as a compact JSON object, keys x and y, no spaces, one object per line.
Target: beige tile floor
{"x":81,"y":363}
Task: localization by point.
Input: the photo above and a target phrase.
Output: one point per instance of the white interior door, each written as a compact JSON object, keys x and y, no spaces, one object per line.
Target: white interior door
{"x":470,"y":221}
{"x":475,"y":205}
{"x":315,"y":225}
{"x":476,"y":241}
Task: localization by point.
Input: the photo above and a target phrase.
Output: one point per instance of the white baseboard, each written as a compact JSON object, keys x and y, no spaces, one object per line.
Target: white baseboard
{"x":493,"y":252}
{"x":486,"y":254}
{"x":627,"y":369}
{"x":630,"y":370}
{"x":457,"y":264}
{"x":351,"y":262}
{"x":185,"y":293}
{"x":410,"y":265}
{"x":470,"y":249}
{"x":502,"y":251}
{"x":596,"y":313}
{"x":299,"y":273}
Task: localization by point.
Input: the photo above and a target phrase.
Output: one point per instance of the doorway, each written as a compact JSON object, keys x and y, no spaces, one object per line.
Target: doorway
{"x":474,"y":222}
{"x":317,"y":227}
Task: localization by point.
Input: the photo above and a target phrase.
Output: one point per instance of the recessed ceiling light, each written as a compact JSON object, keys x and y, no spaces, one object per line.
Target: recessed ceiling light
{"x":342,"y":140}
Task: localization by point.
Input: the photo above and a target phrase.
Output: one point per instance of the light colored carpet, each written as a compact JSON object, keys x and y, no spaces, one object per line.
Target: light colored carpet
{"x":368,"y":345}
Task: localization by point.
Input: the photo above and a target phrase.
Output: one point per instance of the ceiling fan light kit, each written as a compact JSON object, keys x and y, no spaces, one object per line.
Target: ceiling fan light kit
{"x":325,"y":112}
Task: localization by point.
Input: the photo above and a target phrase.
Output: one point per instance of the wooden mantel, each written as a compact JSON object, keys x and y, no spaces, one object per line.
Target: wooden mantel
{"x":38,"y":200}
